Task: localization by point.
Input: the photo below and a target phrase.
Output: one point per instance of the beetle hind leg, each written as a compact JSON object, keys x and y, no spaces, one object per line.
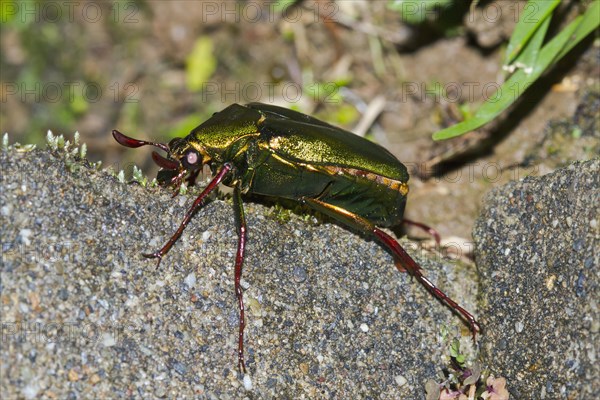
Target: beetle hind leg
{"x":407,"y":263}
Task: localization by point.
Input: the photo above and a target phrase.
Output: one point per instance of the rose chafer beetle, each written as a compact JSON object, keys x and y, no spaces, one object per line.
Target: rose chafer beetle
{"x":272,"y":151}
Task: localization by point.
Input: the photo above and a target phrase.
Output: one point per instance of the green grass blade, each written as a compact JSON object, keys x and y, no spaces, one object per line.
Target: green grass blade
{"x":508,"y":93}
{"x":460,"y":129}
{"x":590,"y":22}
{"x":528,"y":57}
{"x":535,"y":13}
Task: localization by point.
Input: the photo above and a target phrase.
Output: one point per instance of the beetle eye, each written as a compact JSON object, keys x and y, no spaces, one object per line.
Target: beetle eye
{"x":191,"y":159}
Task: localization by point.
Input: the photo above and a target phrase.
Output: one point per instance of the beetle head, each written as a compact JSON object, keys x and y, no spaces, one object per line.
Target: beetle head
{"x":182,"y":159}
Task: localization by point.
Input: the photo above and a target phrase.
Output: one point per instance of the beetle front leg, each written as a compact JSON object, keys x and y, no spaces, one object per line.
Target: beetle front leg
{"x":188,"y":215}
{"x":364,"y":226}
{"x":240,"y":219}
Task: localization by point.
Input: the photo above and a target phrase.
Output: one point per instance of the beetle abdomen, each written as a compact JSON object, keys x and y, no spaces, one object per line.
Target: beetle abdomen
{"x":380,"y":200}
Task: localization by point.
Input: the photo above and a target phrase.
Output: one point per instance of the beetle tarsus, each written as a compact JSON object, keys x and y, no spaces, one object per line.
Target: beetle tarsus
{"x":157,"y":255}
{"x":475,"y":329}
{"x":176,"y":183}
{"x":433,"y":232}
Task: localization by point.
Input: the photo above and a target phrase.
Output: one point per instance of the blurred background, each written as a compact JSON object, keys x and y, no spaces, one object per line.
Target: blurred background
{"x":395,"y":71}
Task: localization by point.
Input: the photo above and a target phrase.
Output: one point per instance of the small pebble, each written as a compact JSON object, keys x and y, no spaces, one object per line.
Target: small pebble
{"x":6,"y":210}
{"x":299,"y":274}
{"x":30,"y":391}
{"x":190,"y":280}
{"x":25,"y":234}
{"x":519,"y":326}
{"x":304,"y":368}
{"x":364,"y":327}
{"x":108,"y":340}
{"x":400,"y":380}
{"x":94,"y":379}
{"x":180,"y":368}
{"x":569,"y":222}
{"x":247,"y":382}
{"x":73,"y":375}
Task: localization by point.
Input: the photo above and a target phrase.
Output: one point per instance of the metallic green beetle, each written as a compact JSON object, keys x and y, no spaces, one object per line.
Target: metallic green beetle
{"x":273,"y":151}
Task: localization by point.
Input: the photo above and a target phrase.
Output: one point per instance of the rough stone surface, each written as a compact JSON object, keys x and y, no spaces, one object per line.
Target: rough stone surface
{"x":570,"y":139}
{"x":538,"y":244}
{"x":84,"y":315}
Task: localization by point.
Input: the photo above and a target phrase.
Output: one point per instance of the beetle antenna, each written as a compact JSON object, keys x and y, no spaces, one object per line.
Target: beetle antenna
{"x":133,"y":143}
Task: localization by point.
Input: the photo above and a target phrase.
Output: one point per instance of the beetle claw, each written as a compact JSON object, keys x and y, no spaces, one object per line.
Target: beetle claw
{"x":475,"y":329}
{"x":242,"y":366}
{"x":154,"y":255}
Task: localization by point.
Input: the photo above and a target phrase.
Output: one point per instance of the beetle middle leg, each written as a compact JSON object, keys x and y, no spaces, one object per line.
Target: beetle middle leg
{"x":240,"y":219}
{"x":239,"y":259}
{"x":365,"y":226}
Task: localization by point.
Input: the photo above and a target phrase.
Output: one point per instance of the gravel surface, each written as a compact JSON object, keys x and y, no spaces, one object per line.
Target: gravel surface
{"x":538,"y":244}
{"x":84,"y":315}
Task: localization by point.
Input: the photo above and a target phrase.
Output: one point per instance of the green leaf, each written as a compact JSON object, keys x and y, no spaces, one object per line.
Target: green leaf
{"x":455,"y":352}
{"x":200,"y":64}
{"x":455,"y":348}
